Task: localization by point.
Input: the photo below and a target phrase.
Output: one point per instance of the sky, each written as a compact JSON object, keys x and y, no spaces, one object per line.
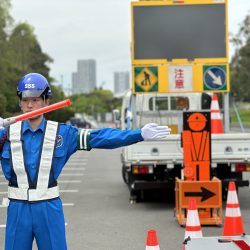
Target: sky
{"x":95,"y":29}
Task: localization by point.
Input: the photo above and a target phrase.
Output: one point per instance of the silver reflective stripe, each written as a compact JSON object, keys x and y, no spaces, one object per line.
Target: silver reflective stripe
{"x":86,"y":133}
{"x":81,"y":135}
{"x":17,"y":155}
{"x":42,"y":192}
{"x":84,"y":139}
{"x":33,"y":194}
{"x":47,"y":155}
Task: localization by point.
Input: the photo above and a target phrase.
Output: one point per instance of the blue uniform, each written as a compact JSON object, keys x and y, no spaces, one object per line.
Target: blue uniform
{"x":44,"y":220}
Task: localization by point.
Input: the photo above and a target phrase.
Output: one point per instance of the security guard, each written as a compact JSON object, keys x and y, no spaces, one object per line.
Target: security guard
{"x":33,"y":156}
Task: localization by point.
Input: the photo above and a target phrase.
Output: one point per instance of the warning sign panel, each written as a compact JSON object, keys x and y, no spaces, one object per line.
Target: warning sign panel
{"x":215,"y":77}
{"x":207,"y":193}
{"x":146,"y":79}
{"x":180,"y":78}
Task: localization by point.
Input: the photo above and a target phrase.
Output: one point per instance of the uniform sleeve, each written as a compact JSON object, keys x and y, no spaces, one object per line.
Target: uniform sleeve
{"x":109,"y":138}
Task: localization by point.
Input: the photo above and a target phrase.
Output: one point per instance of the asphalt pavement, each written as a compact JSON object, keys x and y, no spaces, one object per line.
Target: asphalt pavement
{"x":98,"y":213}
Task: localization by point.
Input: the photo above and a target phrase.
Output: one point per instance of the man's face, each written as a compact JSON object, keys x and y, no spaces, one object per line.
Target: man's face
{"x":28,"y":104}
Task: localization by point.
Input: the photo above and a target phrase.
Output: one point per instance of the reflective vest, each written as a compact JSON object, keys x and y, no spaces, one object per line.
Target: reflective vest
{"x":24,"y":190}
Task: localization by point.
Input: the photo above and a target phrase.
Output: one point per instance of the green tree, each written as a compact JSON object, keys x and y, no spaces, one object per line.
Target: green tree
{"x":24,"y":55}
{"x":21,"y":53}
{"x":25,"y":51}
{"x":98,"y":101}
{"x":60,"y":115}
{"x":240,"y":74}
{"x":5,"y":21}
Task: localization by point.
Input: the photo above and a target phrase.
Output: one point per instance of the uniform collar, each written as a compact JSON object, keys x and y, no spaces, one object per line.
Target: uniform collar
{"x":26,"y":126}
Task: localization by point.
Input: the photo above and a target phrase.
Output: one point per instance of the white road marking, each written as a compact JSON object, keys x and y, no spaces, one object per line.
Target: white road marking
{"x":69,"y":174}
{"x":3,"y":226}
{"x":80,"y":161}
{"x":69,"y":181}
{"x":69,"y":191}
{"x":71,"y":169}
{"x":68,"y":204}
{"x":64,"y":205}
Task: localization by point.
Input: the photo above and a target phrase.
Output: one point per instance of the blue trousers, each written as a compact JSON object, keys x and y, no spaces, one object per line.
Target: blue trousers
{"x":43,"y":221}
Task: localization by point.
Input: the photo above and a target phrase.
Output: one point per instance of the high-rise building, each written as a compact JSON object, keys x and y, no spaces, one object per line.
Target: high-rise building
{"x":121,"y":82}
{"x":74,"y":82}
{"x":84,"y":80}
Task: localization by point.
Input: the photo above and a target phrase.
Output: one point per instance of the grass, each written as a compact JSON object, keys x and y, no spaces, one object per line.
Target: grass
{"x":244,"y":115}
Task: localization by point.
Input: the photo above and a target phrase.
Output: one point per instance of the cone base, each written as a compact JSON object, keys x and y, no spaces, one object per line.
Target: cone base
{"x":233,"y":226}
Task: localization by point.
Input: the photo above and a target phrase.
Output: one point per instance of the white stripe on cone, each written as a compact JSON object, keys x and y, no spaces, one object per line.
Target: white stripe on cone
{"x":232,"y":197}
{"x":193,"y":218}
{"x":215,"y":116}
{"x":193,"y":221}
{"x":192,"y":234}
{"x":152,"y":247}
{"x":215,"y":105}
{"x":233,"y":212}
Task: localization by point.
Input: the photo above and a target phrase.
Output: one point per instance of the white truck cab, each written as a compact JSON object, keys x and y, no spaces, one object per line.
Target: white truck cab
{"x":163,"y":109}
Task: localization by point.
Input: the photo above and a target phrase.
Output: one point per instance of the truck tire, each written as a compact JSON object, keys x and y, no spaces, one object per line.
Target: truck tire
{"x":135,"y":196}
{"x":124,"y":175}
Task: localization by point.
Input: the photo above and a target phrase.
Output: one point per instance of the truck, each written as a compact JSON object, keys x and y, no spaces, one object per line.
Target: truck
{"x":152,"y":165}
{"x":179,"y":59}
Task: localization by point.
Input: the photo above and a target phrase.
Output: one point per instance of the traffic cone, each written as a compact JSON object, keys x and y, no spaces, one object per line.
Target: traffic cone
{"x":216,"y":122}
{"x":233,"y":224}
{"x":193,"y":228}
{"x":152,"y":241}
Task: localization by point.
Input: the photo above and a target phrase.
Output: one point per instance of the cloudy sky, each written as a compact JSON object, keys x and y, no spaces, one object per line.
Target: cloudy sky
{"x":99,"y":29}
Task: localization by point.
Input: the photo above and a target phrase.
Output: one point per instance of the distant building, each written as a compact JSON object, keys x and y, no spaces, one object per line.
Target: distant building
{"x":74,"y":82}
{"x":84,"y":80}
{"x":121,"y":82}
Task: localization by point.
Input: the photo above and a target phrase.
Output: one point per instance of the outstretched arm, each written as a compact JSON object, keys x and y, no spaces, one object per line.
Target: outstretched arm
{"x":113,"y":138}
{"x":109,"y":138}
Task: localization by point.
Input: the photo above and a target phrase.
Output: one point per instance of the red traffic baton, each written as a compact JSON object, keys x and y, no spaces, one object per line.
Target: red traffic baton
{"x":58,"y":105}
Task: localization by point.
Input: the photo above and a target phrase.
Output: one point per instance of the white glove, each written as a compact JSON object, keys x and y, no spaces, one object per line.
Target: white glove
{"x":1,"y":123}
{"x":152,"y":131}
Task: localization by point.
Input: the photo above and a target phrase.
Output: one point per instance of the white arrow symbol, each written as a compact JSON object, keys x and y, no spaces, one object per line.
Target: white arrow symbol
{"x":216,"y":79}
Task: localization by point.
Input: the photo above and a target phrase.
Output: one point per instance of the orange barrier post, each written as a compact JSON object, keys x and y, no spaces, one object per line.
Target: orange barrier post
{"x":40,"y":111}
{"x":193,"y":228}
{"x":152,"y":241}
{"x":233,"y":224}
{"x":216,"y":122}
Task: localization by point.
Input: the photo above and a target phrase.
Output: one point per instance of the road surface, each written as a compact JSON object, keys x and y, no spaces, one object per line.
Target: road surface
{"x":98,"y":213}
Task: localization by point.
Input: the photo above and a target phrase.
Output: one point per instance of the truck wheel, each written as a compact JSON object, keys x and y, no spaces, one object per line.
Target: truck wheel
{"x":124,"y":175}
{"x":135,"y":196}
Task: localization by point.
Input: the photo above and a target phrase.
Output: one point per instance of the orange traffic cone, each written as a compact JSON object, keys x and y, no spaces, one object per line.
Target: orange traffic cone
{"x":193,"y":228}
{"x":152,"y":241}
{"x":233,"y":224}
{"x":216,"y":122}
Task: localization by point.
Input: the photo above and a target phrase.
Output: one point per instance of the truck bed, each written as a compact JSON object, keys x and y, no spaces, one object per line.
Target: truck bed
{"x":226,"y":148}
